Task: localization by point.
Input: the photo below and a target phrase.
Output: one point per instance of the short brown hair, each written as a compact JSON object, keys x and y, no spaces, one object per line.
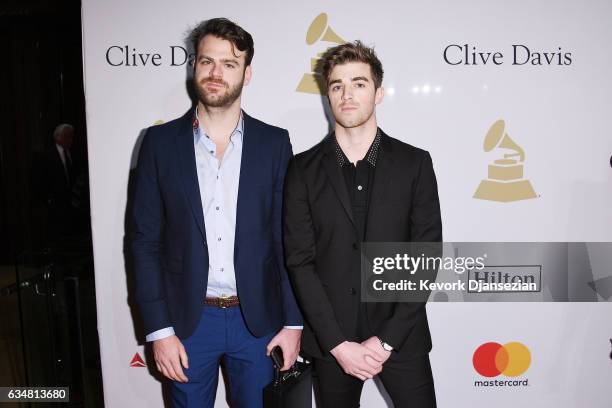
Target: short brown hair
{"x":351,"y":52}
{"x":227,"y":30}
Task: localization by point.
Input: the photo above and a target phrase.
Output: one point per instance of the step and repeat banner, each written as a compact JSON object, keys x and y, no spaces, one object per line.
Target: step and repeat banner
{"x":511,"y":99}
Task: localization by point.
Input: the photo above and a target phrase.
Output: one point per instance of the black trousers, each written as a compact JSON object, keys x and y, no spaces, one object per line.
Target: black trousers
{"x":408,"y":382}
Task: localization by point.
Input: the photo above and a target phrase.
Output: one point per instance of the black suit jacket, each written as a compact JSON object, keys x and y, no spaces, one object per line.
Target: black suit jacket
{"x":55,"y":191}
{"x":57,"y":187}
{"x":322,"y":248}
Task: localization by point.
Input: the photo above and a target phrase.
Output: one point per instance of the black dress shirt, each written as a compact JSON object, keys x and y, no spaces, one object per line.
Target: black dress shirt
{"x":359,"y":180}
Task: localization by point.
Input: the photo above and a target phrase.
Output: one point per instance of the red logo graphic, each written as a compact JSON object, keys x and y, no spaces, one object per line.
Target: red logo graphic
{"x":492,"y":359}
{"x":137,"y":361}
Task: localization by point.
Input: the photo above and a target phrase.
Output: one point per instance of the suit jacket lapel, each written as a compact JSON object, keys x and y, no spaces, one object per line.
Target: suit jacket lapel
{"x":383,"y":175}
{"x":248,"y":172}
{"x":188,"y":173}
{"x":334,"y":173}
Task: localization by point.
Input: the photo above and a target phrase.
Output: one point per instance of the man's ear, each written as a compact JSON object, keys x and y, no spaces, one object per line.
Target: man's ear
{"x":379,"y":95}
{"x":193,"y":64}
{"x":248,"y":73}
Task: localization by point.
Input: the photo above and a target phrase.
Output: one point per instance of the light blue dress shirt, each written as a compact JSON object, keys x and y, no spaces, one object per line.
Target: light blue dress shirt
{"x":218,"y":181}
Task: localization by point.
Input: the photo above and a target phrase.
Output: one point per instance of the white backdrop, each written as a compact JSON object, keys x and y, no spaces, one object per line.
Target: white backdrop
{"x":557,"y":113}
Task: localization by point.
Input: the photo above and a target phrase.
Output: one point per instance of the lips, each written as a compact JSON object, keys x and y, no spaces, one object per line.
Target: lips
{"x":348,"y":108}
{"x":212,"y":84}
{"x":215,"y":85}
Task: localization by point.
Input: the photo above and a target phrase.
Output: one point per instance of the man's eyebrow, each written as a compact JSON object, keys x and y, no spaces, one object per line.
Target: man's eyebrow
{"x":224,"y":60}
{"x":359,"y":78}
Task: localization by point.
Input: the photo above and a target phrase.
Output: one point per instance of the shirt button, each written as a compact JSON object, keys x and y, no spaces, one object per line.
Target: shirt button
{"x":359,"y":188}
{"x":212,"y":152}
{"x":222,"y":269}
{"x":219,"y":239}
{"x":217,"y":208}
{"x":352,"y":291}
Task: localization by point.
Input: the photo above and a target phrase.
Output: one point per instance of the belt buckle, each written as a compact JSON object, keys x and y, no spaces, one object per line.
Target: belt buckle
{"x":222,"y":300}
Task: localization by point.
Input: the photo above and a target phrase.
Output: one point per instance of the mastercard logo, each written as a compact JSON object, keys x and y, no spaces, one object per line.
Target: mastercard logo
{"x":492,"y":359}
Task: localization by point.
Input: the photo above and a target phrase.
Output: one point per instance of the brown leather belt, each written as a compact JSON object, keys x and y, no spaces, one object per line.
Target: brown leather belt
{"x":222,"y":302}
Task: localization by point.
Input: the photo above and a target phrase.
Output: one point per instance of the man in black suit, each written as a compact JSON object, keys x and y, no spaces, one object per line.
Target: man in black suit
{"x":58,"y":179}
{"x":359,"y":185}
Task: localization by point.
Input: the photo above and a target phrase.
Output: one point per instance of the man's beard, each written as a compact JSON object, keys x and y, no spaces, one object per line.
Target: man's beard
{"x":217,"y":100}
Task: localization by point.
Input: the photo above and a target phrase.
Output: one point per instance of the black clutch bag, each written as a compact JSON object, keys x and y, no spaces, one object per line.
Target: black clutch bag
{"x":291,"y":388}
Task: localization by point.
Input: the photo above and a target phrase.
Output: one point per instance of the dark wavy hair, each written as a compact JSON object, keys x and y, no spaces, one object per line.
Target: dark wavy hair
{"x":227,"y":30}
{"x":351,"y":52}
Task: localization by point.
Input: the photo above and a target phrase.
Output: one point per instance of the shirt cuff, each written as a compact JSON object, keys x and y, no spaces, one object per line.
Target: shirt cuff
{"x":293,"y":327}
{"x":160,"y":334}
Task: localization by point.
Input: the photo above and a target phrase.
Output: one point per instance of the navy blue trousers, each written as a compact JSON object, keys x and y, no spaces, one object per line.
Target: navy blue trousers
{"x":222,"y":335}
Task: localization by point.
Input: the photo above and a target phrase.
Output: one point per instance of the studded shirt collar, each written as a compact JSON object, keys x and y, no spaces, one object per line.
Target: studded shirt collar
{"x":370,"y":156}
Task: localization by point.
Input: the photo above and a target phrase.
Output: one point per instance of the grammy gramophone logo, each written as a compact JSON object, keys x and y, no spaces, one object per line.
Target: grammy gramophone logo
{"x":319,"y":30}
{"x":505,"y":180}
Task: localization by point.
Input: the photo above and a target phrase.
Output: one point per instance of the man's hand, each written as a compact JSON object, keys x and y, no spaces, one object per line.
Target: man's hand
{"x":289,"y":342}
{"x":373,"y":344}
{"x":169,"y":355}
{"x":357,"y":360}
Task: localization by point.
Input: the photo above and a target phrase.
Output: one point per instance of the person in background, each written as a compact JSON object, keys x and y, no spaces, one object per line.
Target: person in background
{"x":58,"y":179}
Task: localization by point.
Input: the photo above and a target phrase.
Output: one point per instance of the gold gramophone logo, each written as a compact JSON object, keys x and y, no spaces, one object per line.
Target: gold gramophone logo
{"x":319,"y":30}
{"x":505,"y":181}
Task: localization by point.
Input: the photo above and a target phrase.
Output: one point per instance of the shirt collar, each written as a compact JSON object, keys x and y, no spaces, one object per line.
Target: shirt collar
{"x":370,"y":156}
{"x":198,"y":131}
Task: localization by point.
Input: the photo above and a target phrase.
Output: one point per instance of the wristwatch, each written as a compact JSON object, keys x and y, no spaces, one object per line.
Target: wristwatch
{"x":385,"y":346}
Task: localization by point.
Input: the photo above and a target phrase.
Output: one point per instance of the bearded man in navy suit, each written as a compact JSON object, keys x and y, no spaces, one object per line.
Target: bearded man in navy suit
{"x":210,"y":277}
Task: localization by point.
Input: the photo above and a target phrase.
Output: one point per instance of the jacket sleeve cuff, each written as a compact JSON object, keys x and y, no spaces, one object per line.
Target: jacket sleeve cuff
{"x":330,"y":339}
{"x":155,"y":315}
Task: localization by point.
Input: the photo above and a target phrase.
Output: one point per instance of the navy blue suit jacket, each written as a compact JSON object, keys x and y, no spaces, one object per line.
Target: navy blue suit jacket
{"x":169,"y":238}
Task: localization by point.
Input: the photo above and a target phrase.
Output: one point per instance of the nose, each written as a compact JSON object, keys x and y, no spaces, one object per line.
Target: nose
{"x":215,"y":71}
{"x":347,"y":93}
